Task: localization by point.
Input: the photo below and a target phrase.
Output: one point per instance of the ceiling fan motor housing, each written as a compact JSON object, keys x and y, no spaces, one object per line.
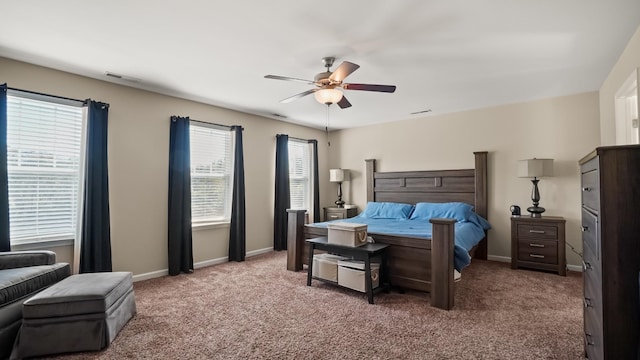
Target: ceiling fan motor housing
{"x":323,"y":78}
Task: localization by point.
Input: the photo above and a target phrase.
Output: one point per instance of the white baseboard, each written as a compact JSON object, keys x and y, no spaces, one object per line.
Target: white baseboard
{"x":259,"y":252}
{"x":508,"y":260}
{"x":574,"y":268}
{"x":150,"y":275}
{"x":198,"y":265}
{"x":499,"y":258}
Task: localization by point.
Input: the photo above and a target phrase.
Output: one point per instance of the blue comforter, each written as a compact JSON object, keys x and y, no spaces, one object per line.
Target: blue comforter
{"x":467,"y":234}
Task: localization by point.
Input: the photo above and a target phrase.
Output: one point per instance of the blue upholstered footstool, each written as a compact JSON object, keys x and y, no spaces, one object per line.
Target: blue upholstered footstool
{"x":83,"y":312}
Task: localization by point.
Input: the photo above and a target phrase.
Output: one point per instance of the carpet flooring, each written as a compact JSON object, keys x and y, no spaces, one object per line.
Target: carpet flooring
{"x":258,"y":310}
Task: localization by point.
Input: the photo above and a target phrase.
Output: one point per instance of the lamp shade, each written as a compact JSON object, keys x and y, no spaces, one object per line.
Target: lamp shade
{"x":535,"y":168}
{"x":338,"y":175}
{"x":328,"y":96}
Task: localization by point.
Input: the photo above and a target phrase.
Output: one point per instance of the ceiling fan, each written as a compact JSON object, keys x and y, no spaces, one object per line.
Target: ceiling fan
{"x":327,"y":84}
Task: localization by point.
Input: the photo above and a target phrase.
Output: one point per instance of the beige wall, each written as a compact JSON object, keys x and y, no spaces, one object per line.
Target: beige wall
{"x":138,"y":165}
{"x":564,"y":128}
{"x":629,"y":61}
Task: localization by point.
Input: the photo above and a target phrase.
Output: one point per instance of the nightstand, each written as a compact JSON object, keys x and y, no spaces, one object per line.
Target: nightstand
{"x":334,"y":213}
{"x":538,"y":243}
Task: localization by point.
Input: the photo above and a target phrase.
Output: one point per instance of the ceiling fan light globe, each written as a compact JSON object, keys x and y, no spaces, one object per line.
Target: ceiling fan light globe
{"x":328,"y":96}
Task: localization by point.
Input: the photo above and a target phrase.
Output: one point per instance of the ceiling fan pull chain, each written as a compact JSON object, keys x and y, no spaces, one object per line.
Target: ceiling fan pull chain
{"x":326,"y":128}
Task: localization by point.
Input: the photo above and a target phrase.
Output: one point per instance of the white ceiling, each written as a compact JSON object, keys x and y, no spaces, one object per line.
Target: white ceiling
{"x":443,"y":55}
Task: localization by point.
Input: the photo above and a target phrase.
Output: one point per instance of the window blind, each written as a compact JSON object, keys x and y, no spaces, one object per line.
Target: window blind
{"x":299,"y":178}
{"x":211,"y":173}
{"x":43,"y":164}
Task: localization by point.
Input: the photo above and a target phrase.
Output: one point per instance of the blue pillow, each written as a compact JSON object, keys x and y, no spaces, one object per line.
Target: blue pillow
{"x":387,"y":210}
{"x":453,"y":210}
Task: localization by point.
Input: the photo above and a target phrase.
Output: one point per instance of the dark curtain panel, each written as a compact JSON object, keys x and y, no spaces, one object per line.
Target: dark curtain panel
{"x":5,"y":243}
{"x":316,"y":182}
{"x":95,"y":242}
{"x":237,"y":233}
{"x":282,"y":200}
{"x":180,"y":241}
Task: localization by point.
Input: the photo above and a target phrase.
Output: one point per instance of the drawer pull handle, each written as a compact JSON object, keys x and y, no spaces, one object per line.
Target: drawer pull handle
{"x":589,"y":339}
{"x":585,"y":189}
{"x":537,"y":256}
{"x":587,"y":303}
{"x":537,"y":245}
{"x":584,"y":228}
{"x":586,"y":266}
{"x":536,"y":231}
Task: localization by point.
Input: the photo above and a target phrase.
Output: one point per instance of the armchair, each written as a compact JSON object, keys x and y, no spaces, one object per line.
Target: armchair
{"x":22,"y":275}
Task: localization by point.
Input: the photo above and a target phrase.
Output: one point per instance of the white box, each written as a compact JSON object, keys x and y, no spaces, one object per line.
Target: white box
{"x":351,"y":274}
{"x":325,"y":266}
{"x":347,"y":234}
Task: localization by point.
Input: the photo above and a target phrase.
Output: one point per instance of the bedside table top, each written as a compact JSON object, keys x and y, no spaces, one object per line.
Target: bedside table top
{"x":540,"y":219}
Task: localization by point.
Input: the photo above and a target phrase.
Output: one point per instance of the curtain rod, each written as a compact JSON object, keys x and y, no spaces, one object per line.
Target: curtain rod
{"x":83,"y":102}
{"x":214,"y":124}
{"x":299,"y":139}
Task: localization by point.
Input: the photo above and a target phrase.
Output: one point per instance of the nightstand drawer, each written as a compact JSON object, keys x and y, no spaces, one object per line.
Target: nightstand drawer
{"x":333,"y":215}
{"x":540,"y":251}
{"x":544,"y":232}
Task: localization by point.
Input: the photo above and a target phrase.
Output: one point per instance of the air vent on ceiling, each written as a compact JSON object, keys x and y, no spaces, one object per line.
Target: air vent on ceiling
{"x":421,"y":112}
{"x":121,"y":77}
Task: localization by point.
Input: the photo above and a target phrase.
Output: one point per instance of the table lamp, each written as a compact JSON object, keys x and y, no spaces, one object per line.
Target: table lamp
{"x":338,"y":176}
{"x":535,"y":168}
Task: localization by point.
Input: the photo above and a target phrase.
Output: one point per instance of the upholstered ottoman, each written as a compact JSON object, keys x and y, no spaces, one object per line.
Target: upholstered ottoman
{"x":83,"y":312}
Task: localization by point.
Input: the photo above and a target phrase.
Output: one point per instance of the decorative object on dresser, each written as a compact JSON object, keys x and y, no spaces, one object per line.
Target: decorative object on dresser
{"x":515,"y":210}
{"x":611,"y":247}
{"x":538,"y":243}
{"x":535,"y":168}
{"x":335,"y":213}
{"x":338,"y":176}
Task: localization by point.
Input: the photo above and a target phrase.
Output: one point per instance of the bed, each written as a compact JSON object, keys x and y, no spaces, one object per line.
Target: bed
{"x":415,"y":262}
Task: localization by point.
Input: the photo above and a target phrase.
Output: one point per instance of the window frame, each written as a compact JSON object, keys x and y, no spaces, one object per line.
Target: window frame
{"x":66,"y":238}
{"x":308,"y":178}
{"x":203,"y":223}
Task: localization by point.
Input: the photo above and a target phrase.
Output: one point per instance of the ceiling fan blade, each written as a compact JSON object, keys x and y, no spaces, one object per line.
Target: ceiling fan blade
{"x":298,"y":96}
{"x":276,"y":77}
{"x":370,"y":87}
{"x":343,"y":71}
{"x":344,"y":103}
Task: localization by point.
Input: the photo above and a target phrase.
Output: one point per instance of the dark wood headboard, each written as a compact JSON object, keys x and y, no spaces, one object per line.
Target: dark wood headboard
{"x":465,"y":185}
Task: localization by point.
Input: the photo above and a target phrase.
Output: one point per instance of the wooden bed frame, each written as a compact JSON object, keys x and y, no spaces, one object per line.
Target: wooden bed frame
{"x":414,"y":263}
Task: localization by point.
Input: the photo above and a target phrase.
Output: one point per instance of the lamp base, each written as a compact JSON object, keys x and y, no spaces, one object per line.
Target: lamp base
{"x":536,"y":211}
{"x":339,"y":203}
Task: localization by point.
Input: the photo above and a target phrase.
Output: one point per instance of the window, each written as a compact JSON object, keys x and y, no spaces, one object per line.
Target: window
{"x":44,"y":139}
{"x":211,"y":173}
{"x":300,"y":185}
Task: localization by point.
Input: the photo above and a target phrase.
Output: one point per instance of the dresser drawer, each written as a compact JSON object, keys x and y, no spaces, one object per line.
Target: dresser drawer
{"x":593,"y":290}
{"x":592,"y":334}
{"x":591,"y":190}
{"x":535,"y":231}
{"x":540,"y":251}
{"x":590,"y":240}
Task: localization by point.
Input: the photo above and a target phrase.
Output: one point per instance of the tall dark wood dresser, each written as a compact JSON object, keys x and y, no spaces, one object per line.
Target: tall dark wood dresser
{"x":611,"y":252}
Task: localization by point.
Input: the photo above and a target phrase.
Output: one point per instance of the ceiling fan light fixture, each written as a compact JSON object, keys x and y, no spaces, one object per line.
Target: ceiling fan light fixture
{"x":328,"y":96}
